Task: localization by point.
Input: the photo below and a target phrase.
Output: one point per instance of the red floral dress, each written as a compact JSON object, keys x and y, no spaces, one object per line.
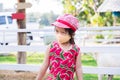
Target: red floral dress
{"x":62,"y":63}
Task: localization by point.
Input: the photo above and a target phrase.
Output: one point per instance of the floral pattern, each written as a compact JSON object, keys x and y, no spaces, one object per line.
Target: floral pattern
{"x":62,"y":63}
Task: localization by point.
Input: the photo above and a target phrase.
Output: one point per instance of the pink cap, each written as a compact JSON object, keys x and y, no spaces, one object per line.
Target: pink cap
{"x":67,"y":21}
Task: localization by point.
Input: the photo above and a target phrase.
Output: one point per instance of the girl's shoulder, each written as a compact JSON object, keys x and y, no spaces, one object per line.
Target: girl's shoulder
{"x":53,"y":44}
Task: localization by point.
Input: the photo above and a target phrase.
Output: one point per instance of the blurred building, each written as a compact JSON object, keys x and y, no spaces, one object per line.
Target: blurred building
{"x":1,"y":7}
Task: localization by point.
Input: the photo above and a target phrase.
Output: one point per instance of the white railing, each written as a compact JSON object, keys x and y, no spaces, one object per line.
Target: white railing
{"x":81,"y":31}
{"x":86,"y":69}
{"x":42,"y":48}
{"x":99,"y":28}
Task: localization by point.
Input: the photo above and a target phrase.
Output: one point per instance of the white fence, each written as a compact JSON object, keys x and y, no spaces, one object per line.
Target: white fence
{"x":86,"y":70}
{"x":41,"y":48}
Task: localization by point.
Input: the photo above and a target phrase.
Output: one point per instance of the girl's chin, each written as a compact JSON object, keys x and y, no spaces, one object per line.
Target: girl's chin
{"x":61,"y":42}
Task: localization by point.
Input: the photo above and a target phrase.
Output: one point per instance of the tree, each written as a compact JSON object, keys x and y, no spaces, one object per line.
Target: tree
{"x":47,"y":18}
{"x":85,"y":10}
{"x":70,"y":6}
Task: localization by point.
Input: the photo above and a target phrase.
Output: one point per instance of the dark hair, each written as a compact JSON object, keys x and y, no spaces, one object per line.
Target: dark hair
{"x":71,"y":33}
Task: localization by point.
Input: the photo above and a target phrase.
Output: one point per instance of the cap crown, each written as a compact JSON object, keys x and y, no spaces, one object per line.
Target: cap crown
{"x":70,"y":19}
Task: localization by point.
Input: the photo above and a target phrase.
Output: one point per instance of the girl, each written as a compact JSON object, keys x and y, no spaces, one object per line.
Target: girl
{"x":63,"y":56}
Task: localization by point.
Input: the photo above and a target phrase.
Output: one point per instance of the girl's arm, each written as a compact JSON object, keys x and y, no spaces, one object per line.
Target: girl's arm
{"x":44,"y":66}
{"x":79,"y":68}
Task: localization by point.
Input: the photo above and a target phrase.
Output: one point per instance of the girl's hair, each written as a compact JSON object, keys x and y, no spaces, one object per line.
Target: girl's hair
{"x":71,"y":33}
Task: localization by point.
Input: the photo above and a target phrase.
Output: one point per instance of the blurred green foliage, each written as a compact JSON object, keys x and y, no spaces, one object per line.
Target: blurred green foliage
{"x":86,"y":11}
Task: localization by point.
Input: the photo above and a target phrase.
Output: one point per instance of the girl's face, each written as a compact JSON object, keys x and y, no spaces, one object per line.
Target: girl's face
{"x":62,"y":35}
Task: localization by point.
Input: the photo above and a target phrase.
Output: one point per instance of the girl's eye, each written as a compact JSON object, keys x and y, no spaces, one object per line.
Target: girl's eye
{"x":63,"y":32}
{"x":60,"y":32}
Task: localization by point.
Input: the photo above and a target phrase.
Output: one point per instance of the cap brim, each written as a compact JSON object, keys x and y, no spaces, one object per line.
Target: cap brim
{"x":58,"y":24}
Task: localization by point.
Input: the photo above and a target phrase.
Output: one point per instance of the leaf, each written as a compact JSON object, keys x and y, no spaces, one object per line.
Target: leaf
{"x":61,"y":55}
{"x":51,"y":46}
{"x":58,"y":77}
{"x":75,"y":48}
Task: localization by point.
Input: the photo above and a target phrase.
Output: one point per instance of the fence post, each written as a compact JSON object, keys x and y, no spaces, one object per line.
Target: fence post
{"x":21,"y":57}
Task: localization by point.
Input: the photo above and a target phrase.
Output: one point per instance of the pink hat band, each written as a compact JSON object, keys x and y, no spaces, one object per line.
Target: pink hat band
{"x":66,"y":23}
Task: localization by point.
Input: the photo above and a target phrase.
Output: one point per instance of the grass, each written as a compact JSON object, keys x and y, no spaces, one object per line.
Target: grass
{"x":32,"y":58}
{"x":7,"y":59}
{"x":36,"y":58}
{"x":87,"y":60}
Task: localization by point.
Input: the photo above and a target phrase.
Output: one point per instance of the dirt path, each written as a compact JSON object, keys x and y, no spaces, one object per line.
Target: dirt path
{"x":13,"y":75}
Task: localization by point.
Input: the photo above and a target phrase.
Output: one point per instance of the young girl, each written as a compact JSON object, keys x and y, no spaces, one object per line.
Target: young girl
{"x":63,"y":56}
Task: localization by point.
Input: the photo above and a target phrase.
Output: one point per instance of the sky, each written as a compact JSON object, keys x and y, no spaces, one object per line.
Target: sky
{"x":43,"y":6}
